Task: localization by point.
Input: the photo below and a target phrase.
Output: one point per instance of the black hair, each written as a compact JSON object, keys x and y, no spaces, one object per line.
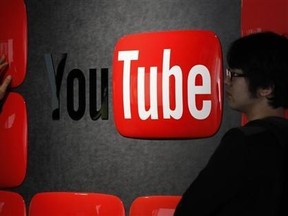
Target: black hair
{"x":263,"y":58}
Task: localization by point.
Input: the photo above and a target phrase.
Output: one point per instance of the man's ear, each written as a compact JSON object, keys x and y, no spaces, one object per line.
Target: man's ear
{"x":265,"y":92}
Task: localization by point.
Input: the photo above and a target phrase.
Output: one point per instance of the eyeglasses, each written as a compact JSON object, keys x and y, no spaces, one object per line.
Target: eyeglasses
{"x":230,"y":74}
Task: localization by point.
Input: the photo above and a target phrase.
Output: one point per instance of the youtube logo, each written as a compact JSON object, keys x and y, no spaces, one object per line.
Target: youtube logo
{"x":168,"y":84}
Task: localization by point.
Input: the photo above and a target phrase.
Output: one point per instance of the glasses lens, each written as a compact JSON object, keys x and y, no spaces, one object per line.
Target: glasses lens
{"x":228,"y":73}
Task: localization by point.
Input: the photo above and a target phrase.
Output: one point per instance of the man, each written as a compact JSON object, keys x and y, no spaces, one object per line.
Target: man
{"x":4,"y":85}
{"x":247,"y":174}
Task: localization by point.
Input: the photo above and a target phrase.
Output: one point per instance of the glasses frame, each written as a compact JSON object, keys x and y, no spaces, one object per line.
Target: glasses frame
{"x":231,"y":74}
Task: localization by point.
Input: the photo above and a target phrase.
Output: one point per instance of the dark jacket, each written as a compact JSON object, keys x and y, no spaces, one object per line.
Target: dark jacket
{"x":246,"y":176}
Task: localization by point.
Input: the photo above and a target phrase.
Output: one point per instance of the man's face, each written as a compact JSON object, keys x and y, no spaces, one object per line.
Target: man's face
{"x":237,"y":91}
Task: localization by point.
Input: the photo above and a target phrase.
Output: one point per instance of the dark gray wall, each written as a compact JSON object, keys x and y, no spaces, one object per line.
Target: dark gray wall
{"x":90,"y":156}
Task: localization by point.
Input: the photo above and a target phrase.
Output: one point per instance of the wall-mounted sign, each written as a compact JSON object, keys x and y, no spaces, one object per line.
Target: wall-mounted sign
{"x":13,"y":38}
{"x":13,"y":138}
{"x":168,"y":84}
{"x":264,"y":15}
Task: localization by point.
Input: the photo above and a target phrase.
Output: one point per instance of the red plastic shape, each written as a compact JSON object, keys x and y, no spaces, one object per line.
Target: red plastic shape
{"x":13,"y":141}
{"x":154,"y":205}
{"x":12,"y":204}
{"x":168,"y":84}
{"x":264,"y":15}
{"x":68,"y":203}
{"x":13,"y":38}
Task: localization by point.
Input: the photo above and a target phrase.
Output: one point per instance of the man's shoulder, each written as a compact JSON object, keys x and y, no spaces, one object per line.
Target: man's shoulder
{"x":267,"y":124}
{"x":269,"y":128}
{"x":250,"y":130}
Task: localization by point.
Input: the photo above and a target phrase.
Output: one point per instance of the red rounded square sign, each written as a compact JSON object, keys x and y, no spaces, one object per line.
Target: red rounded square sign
{"x":168,"y":84}
{"x":13,"y":141}
{"x":13,"y":38}
{"x":264,"y":15}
